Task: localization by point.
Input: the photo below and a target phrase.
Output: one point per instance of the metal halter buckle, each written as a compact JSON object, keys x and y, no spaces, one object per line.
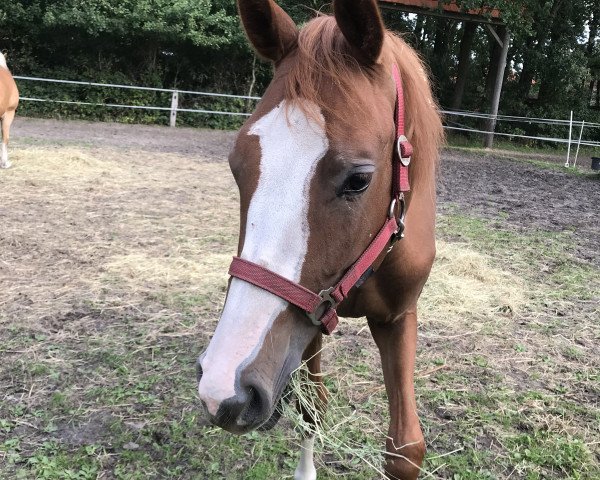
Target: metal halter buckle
{"x":317,"y":313}
{"x":398,"y":234}
{"x":403,"y":160}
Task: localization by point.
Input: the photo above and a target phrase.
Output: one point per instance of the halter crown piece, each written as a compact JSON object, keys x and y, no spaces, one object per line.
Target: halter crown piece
{"x":321,"y":308}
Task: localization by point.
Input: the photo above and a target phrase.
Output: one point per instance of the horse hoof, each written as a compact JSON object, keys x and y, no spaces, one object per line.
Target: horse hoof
{"x":5,"y":165}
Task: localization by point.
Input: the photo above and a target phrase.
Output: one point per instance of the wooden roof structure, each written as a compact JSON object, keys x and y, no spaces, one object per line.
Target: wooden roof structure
{"x":483,"y":14}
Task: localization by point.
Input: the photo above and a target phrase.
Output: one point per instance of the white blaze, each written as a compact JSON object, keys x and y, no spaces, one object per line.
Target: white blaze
{"x":3,"y":61}
{"x":276,"y":237}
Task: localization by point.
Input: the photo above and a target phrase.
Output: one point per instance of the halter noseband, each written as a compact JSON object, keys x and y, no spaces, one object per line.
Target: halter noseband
{"x":321,"y":308}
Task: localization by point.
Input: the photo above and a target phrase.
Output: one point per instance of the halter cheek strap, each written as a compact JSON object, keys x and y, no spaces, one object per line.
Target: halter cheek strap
{"x":321,"y":308}
{"x":404,"y":150}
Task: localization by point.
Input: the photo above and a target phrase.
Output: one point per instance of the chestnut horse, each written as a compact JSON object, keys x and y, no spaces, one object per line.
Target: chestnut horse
{"x":9,"y":100}
{"x":314,"y":165}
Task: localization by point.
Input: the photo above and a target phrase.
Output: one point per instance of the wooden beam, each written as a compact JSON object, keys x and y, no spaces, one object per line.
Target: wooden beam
{"x":495,"y":35}
{"x":462,"y":16}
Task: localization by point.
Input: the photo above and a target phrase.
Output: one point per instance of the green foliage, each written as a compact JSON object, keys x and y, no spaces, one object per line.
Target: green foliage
{"x":185,"y":44}
{"x":553,"y":59}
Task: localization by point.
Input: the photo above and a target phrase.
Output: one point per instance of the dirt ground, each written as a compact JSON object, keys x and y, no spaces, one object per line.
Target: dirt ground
{"x":525,"y":195}
{"x":114,"y":244}
{"x":211,"y":145}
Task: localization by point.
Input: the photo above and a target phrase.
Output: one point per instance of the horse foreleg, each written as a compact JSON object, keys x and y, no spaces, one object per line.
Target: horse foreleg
{"x":7,"y":120}
{"x":306,"y":466}
{"x":397,"y":343}
{"x":312,"y":356}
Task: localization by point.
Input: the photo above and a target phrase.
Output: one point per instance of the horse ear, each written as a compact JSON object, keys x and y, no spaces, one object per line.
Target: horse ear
{"x":270,"y":30}
{"x":361,"y":24}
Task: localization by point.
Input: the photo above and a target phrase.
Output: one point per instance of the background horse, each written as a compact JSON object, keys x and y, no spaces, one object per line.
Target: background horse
{"x":9,"y":100}
{"x":314,"y":166}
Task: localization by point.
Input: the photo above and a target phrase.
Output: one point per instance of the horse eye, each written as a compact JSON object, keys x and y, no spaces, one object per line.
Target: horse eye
{"x":356,"y":183}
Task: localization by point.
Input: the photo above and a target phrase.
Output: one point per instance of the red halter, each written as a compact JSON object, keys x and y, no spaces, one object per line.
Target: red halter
{"x":321,"y":308}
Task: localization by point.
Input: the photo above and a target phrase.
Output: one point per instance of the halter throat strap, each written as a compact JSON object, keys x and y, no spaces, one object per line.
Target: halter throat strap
{"x":321,"y":308}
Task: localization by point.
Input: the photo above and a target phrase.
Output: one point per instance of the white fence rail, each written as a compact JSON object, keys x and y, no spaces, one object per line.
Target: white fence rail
{"x":174,"y":108}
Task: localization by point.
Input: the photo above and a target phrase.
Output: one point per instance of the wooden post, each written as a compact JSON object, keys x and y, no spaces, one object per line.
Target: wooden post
{"x":174,"y":105}
{"x":505,"y":37}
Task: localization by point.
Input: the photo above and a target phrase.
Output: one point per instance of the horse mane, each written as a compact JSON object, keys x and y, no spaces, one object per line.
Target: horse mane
{"x":323,"y":55}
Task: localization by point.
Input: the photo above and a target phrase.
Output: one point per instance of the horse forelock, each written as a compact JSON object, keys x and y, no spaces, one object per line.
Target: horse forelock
{"x":323,"y":63}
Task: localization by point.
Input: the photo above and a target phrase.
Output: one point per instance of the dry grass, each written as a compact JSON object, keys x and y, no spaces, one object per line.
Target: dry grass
{"x":116,"y":221}
{"x":86,"y":223}
{"x":92,"y":236}
{"x":463,"y":283}
{"x":109,"y":221}
{"x":64,"y":167}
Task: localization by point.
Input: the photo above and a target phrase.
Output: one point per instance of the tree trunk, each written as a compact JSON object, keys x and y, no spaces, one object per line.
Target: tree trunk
{"x":594,"y":20}
{"x":527,"y":72}
{"x":440,"y":50}
{"x":464,"y":60}
{"x":441,"y":38}
{"x":589,"y":52}
{"x":495,"y":52}
{"x":419,"y":31}
{"x":547,"y":85}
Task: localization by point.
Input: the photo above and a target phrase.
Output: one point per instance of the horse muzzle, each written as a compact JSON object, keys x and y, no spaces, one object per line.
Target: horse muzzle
{"x":246,"y":410}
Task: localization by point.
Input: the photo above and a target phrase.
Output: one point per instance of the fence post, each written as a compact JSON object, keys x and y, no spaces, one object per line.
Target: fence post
{"x":570,"y":136}
{"x":174,"y":105}
{"x":579,"y":142}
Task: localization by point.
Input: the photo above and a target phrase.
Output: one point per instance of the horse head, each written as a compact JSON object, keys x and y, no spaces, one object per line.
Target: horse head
{"x":313,"y":167}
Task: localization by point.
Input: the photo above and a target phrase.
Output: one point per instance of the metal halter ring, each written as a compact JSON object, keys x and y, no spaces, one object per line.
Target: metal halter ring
{"x":397,"y":202}
{"x":403,"y":160}
{"x":398,"y":234}
{"x":326,"y":298}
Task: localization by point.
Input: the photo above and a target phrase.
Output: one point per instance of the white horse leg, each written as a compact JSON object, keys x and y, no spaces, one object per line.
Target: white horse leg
{"x":6,"y":123}
{"x":4,"y":153}
{"x":4,"y":163}
{"x":306,"y":467}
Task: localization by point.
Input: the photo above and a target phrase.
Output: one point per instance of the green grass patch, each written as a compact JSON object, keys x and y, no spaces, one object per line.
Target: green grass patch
{"x":543,"y":257}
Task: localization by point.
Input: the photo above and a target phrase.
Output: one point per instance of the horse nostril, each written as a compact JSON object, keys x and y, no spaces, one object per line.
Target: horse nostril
{"x":253,"y":408}
{"x":242,"y":412}
{"x":199,"y":369}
